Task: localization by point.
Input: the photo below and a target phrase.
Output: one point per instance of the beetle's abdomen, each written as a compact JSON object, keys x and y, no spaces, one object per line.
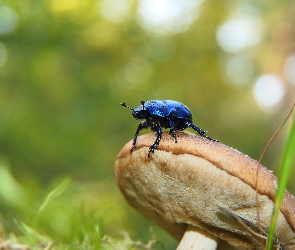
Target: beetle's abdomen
{"x":179,"y":110}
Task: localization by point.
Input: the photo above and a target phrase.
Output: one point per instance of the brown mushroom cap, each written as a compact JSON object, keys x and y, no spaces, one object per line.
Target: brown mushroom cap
{"x":205,"y":184}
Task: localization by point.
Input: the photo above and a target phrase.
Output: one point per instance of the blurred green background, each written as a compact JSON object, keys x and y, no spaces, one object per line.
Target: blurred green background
{"x":65,"y":65}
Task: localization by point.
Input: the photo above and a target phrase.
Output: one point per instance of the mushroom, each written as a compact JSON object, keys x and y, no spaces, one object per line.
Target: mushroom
{"x":203,"y":193}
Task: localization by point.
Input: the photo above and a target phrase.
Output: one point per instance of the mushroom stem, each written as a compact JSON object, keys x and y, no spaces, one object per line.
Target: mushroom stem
{"x":196,"y":238}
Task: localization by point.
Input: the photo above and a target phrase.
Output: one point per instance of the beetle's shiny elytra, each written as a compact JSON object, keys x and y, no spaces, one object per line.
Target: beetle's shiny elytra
{"x":158,"y":114}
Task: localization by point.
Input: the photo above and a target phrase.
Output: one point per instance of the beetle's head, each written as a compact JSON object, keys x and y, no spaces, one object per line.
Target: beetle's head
{"x":139,"y":113}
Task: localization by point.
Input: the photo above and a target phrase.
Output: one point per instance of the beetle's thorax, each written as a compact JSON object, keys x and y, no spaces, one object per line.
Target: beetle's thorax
{"x":140,"y":113}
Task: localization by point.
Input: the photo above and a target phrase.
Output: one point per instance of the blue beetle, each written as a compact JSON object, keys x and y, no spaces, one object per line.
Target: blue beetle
{"x":158,"y":114}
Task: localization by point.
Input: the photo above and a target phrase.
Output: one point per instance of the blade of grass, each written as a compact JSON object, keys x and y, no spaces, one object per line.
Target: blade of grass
{"x":286,"y":166}
{"x":32,"y":236}
{"x":54,"y":193}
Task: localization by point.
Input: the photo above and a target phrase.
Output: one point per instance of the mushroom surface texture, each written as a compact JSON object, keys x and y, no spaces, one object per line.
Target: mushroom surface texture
{"x":203,"y":186}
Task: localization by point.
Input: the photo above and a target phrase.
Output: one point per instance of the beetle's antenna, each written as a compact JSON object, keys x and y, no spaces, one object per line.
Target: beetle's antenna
{"x":124,"y":105}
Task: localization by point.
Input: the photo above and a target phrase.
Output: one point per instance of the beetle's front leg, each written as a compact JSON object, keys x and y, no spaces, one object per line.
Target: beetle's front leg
{"x":141,"y":126}
{"x":158,"y":129}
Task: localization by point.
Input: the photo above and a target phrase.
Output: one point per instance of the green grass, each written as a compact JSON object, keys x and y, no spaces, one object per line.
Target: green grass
{"x":68,"y":216}
{"x":286,"y":166}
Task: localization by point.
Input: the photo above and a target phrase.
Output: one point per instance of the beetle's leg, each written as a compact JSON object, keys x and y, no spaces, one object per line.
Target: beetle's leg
{"x":173,"y":130}
{"x":199,"y":130}
{"x":158,"y":129}
{"x":141,"y":126}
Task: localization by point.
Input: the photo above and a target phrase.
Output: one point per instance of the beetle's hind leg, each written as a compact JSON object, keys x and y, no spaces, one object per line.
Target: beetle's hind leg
{"x":159,"y":131}
{"x":141,"y":126}
{"x":199,"y":130}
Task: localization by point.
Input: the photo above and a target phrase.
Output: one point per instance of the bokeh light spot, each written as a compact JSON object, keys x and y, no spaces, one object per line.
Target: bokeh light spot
{"x":168,"y":16}
{"x":115,"y":11}
{"x":62,"y":6}
{"x":240,"y":33}
{"x":238,"y":70}
{"x":269,"y":90}
{"x":8,"y":19}
{"x":3,"y":54}
{"x":100,"y":35}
